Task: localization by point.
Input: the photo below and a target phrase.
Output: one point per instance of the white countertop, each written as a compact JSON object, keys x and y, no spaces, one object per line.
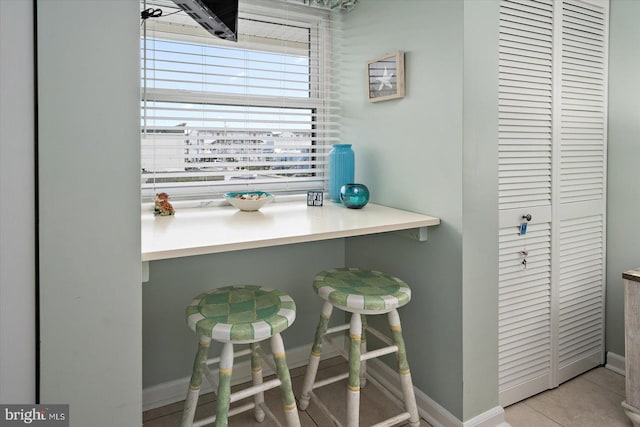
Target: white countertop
{"x":198,"y":231}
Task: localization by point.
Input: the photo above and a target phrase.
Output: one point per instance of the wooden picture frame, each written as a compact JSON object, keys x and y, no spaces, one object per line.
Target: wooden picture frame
{"x":385,"y":77}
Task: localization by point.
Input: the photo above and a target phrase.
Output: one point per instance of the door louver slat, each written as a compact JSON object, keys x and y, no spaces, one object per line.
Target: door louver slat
{"x":582,"y":180}
{"x":524,"y":307}
{"x":582,"y":62}
{"x":525,"y":103}
{"x":581,"y":316}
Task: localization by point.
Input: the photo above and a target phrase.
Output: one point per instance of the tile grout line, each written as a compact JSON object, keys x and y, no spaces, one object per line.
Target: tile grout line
{"x":542,"y":413}
{"x":602,"y":389}
{"x":605,"y":388}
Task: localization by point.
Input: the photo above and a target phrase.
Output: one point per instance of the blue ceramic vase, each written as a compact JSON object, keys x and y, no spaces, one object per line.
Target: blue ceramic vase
{"x":341,"y":169}
{"x":354,"y":196}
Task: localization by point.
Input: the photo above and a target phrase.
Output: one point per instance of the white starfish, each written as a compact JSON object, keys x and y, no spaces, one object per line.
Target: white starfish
{"x":385,"y":80}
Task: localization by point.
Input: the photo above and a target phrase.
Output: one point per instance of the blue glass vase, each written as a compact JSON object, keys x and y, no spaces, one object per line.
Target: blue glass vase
{"x":341,"y":169}
{"x":354,"y":196}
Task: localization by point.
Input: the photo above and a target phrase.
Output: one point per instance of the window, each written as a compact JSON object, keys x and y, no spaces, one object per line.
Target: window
{"x":219,"y":116}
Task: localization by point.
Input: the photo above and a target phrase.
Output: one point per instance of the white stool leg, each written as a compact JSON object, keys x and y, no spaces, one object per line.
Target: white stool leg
{"x":282,"y":370}
{"x":256,"y":376}
{"x":224,"y":385}
{"x":353,"y":387}
{"x":403,"y":369}
{"x":314,"y":358}
{"x":191,"y":402}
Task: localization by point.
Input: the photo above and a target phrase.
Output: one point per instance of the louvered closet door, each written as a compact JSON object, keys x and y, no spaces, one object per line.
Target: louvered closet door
{"x":525,"y":173}
{"x":552,"y":158}
{"x":580,"y":199}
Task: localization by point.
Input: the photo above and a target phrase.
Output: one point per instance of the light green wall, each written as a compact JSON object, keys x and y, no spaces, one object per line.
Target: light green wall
{"x":409,"y":153}
{"x":169,"y":344}
{"x":91,"y":298}
{"x":429,"y":123}
{"x":447,"y":122}
{"x":89,"y":209}
{"x":434,"y":151}
{"x":623,"y":178}
{"x":17,"y":204}
{"x":480,"y":208}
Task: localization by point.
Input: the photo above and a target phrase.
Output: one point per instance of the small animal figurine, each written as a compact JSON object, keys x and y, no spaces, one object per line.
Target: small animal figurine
{"x":162,"y":206}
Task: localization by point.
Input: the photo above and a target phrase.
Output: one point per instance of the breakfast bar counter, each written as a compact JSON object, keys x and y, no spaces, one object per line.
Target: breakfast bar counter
{"x":207,"y":230}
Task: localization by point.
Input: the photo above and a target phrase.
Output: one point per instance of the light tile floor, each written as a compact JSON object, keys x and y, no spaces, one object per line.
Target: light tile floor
{"x":374,"y":406}
{"x":590,"y":400}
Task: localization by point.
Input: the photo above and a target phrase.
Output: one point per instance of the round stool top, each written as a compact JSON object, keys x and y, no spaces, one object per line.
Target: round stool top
{"x":241,"y":314}
{"x":361,"y":291}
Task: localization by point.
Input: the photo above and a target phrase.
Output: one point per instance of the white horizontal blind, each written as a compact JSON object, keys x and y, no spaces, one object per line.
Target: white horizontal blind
{"x":525,"y":103}
{"x":220,"y":116}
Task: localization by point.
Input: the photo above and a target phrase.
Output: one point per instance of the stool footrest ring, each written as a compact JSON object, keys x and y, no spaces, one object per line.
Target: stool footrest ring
{"x":379,"y":352}
{"x":234,"y":411}
{"x":376,"y":333}
{"x":330,"y":380}
{"x":337,"y":329}
{"x":239,"y":410}
{"x":215,"y":360}
{"x":393,"y":420}
{"x":254,"y":389}
{"x":385,"y":423}
{"x":391,"y":348}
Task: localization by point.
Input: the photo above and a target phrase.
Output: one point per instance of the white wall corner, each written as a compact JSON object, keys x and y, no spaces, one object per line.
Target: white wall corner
{"x":615,"y":363}
{"x":429,"y":409}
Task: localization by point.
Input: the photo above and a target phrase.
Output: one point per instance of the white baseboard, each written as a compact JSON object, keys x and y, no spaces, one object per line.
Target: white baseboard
{"x":174,"y":391}
{"x":616,"y":363}
{"x":494,"y":417}
{"x":429,"y":409}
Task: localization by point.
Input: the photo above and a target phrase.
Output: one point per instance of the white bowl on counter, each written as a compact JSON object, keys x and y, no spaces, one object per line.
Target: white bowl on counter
{"x":248,"y":200}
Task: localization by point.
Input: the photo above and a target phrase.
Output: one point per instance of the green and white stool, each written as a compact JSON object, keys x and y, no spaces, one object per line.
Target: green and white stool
{"x":361,"y":293}
{"x":240,"y":315}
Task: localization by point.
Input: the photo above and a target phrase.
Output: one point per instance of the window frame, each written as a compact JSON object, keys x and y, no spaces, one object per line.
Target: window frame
{"x":318,"y":22}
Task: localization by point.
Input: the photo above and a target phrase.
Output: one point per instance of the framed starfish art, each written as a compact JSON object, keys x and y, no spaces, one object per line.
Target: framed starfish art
{"x":385,"y":77}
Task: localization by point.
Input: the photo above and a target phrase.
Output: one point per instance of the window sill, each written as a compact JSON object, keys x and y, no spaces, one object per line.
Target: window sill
{"x":199,"y":231}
